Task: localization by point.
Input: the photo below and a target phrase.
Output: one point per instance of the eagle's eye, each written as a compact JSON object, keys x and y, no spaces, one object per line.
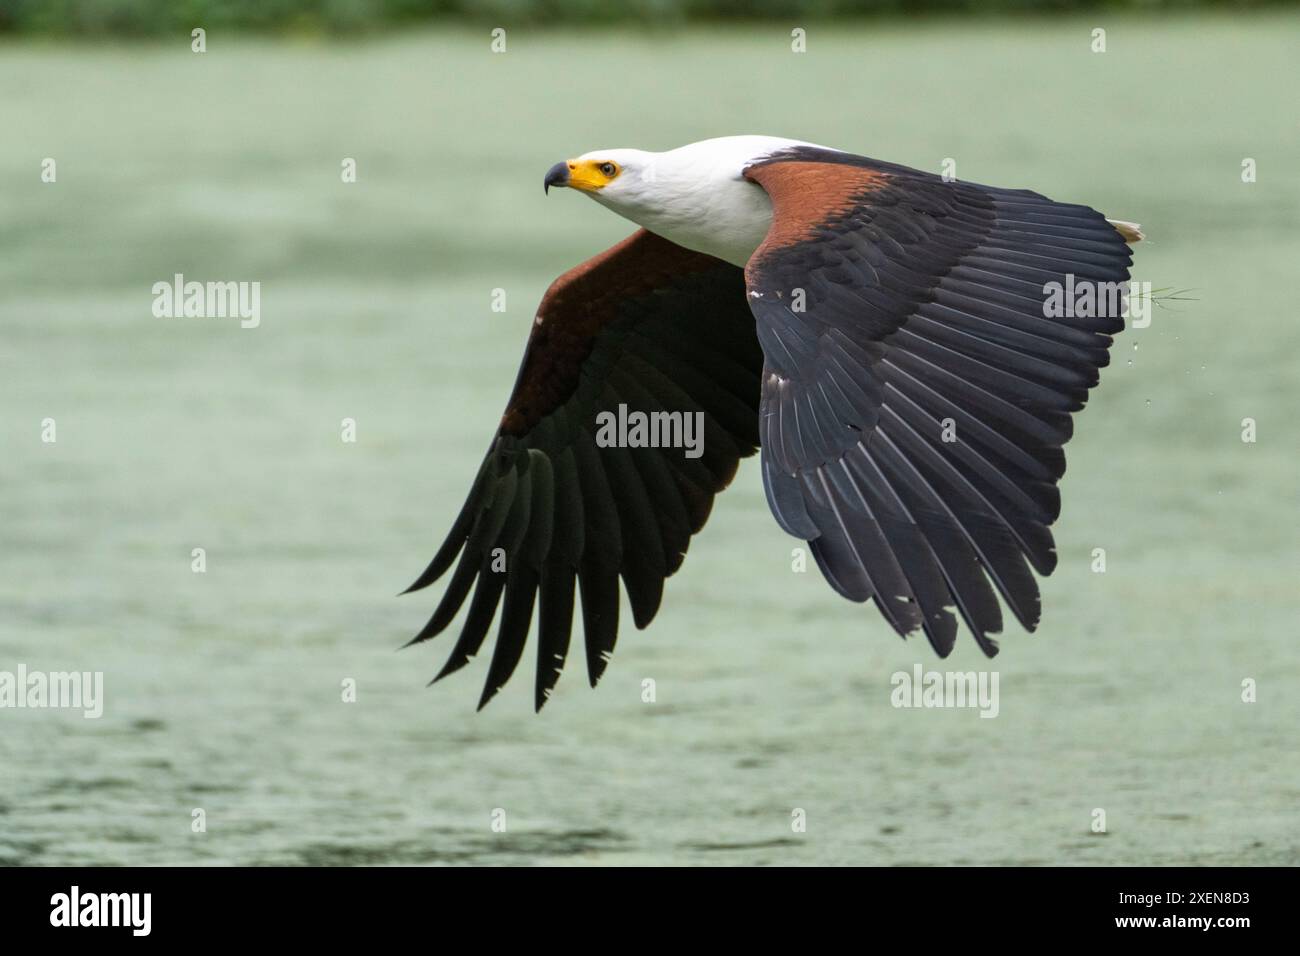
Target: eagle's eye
{"x":608,"y":169}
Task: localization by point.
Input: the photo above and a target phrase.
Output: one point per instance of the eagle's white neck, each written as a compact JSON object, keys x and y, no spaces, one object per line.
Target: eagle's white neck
{"x":696,"y":196}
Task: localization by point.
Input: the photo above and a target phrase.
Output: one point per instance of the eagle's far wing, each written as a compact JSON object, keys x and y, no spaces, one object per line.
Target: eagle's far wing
{"x":646,"y":324}
{"x":916,"y":395}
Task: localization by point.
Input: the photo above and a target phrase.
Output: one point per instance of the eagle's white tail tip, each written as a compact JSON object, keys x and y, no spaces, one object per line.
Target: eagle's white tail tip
{"x":1131,"y":231}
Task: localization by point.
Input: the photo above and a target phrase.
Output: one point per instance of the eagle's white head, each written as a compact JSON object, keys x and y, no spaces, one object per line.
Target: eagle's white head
{"x":695,"y":196}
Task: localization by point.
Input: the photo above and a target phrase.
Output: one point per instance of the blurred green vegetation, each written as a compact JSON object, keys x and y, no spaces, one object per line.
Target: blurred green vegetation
{"x":146,"y":17}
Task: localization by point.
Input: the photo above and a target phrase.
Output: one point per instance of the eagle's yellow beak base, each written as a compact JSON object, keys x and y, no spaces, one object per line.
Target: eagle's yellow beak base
{"x":584,"y":175}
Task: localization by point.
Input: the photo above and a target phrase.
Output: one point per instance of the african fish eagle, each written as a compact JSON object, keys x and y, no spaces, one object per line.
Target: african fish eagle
{"x":879,"y":332}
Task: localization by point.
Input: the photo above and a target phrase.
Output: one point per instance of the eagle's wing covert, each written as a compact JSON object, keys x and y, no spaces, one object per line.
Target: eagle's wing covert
{"x":647,"y":324}
{"x":915,"y":395}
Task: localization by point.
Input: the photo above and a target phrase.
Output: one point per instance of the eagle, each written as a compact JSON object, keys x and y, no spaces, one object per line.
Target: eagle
{"x":881,"y":333}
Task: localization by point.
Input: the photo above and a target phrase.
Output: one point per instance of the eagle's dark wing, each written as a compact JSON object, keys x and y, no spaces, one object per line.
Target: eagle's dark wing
{"x":915,"y":394}
{"x":646,"y":324}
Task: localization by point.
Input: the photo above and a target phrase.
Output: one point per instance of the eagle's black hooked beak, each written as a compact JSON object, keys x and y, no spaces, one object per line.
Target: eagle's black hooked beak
{"x":557,"y":175}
